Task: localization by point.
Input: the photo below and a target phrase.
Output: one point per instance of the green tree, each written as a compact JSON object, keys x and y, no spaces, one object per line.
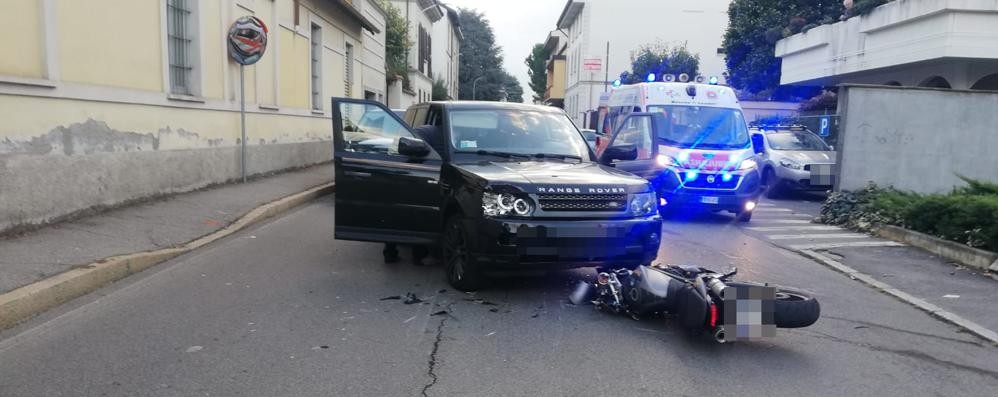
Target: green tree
{"x":659,"y":59}
{"x":440,"y":90}
{"x":481,"y":60}
{"x":754,"y":27}
{"x":397,"y":44}
{"x":537,"y":70}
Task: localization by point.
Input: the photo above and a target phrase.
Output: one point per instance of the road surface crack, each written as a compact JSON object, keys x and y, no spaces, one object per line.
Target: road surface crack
{"x":432,"y":363}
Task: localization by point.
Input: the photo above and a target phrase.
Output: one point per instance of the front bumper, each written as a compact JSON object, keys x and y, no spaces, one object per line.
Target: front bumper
{"x":803,"y":179}
{"x":545,"y":244}
{"x":718,"y":195}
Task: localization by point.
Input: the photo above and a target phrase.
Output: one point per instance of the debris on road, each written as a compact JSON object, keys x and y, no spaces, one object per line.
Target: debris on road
{"x":494,"y":310}
{"x":491,"y":333}
{"x":411,"y":298}
{"x":393,"y":297}
{"x":440,"y":313}
{"x":951,"y":296}
{"x":408,"y":320}
{"x":442,"y":291}
{"x":193,"y":349}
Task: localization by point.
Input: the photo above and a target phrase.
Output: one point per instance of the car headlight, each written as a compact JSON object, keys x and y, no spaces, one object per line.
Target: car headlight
{"x":506,"y":204}
{"x":644,"y":204}
{"x":666,"y":161}
{"x":790,"y":164}
{"x":747,"y":164}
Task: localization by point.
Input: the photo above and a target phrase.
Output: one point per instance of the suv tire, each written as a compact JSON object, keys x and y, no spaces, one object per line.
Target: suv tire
{"x":463,"y":273}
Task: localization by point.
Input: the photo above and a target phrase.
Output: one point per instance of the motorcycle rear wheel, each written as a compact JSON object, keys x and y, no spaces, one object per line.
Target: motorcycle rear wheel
{"x":793,"y":308}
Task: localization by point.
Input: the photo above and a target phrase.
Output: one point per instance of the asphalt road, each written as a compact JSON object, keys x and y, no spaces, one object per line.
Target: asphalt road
{"x":283,"y":309}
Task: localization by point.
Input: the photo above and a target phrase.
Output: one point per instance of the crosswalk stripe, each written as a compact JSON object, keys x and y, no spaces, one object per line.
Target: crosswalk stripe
{"x":815,"y":236}
{"x":793,"y":228}
{"x":826,"y":246}
{"x":799,"y":221}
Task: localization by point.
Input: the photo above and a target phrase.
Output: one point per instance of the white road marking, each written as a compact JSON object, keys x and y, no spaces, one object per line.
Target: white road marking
{"x":826,"y":246}
{"x":773,"y":210}
{"x":815,"y":236}
{"x":798,"y":221}
{"x":793,"y":228}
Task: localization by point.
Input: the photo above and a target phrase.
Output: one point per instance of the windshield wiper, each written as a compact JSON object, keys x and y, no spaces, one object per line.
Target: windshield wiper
{"x":493,"y":153}
{"x":557,"y":156}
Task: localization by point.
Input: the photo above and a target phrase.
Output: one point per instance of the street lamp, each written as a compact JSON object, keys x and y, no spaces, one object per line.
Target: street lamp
{"x":474,"y":88}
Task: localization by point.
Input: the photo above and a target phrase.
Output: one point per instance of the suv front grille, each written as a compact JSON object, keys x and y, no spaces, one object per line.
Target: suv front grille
{"x":583,"y":202}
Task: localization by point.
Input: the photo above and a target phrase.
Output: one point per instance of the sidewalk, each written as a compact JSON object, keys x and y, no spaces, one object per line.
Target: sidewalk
{"x":161,"y":223}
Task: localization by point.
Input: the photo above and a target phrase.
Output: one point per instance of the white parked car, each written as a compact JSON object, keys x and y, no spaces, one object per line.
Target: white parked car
{"x":793,"y":158}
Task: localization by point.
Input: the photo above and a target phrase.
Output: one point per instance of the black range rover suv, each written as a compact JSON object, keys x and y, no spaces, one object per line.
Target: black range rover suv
{"x":499,"y":186}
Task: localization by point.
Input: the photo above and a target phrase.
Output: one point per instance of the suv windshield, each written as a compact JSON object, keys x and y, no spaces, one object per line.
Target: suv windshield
{"x":517,"y":132}
{"x":804,"y":141}
{"x":702,"y":127}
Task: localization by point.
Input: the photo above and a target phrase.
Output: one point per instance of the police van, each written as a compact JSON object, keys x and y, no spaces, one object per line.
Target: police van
{"x":692,"y":141}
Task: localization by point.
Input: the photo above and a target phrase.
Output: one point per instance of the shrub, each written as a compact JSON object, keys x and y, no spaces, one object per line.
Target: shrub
{"x":968,"y":215}
{"x":971,"y":220}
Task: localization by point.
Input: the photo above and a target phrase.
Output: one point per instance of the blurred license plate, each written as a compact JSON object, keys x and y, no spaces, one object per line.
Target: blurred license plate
{"x":821,"y":174}
{"x":749,"y":311}
{"x":708,"y":200}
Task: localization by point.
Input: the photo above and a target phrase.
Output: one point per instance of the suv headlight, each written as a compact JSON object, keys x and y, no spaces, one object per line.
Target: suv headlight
{"x":790,"y":164}
{"x":643,"y":204}
{"x":506,"y":204}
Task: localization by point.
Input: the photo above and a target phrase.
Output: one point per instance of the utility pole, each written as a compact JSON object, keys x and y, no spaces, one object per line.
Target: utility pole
{"x":474,"y":88}
{"x":606,"y":68}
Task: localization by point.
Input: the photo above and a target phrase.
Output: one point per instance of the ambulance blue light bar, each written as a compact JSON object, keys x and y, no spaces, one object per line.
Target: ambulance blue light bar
{"x":651,"y":77}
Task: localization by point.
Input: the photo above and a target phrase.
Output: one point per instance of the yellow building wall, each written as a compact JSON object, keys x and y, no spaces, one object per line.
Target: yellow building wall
{"x":23,"y":47}
{"x":213,"y":51}
{"x":27,"y":117}
{"x":557,"y":80}
{"x":111,"y":42}
{"x":293,"y":67}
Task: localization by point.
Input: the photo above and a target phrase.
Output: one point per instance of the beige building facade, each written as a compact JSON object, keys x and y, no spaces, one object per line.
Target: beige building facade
{"x":109,"y":101}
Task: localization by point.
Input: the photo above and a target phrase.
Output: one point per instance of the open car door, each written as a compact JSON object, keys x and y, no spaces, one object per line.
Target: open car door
{"x":386,"y":178}
{"x":639,"y":130}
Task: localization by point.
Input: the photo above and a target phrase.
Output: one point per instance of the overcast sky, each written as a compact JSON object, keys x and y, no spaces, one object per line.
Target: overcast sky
{"x":518,"y":25}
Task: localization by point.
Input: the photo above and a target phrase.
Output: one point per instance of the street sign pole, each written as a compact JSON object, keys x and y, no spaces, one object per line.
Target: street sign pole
{"x":247,"y":40}
{"x":242,"y":117}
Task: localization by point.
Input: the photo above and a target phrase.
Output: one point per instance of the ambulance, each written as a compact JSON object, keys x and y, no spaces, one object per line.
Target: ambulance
{"x":691,"y":141}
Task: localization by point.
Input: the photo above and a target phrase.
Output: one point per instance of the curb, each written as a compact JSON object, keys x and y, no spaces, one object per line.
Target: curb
{"x":27,"y":301}
{"x":970,"y":256}
{"x":972,"y":327}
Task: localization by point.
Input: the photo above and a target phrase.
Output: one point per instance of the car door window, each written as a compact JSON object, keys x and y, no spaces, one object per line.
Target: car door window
{"x":636,"y":131}
{"x":369,"y":129}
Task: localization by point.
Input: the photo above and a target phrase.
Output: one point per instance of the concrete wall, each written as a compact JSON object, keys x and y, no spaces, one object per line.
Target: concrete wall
{"x":916,"y":139}
{"x":88,"y":119}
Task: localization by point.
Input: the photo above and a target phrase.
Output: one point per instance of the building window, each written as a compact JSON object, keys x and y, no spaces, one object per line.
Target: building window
{"x":316,"y":55}
{"x":180,"y":35}
{"x":425,"y":49}
{"x":348,"y":71}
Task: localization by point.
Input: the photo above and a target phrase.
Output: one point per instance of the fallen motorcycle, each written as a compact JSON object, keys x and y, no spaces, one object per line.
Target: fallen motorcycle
{"x":701,"y":300}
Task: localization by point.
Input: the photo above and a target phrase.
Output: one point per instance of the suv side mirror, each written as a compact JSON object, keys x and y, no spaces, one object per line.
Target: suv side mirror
{"x":412,"y":147}
{"x":620,"y":152}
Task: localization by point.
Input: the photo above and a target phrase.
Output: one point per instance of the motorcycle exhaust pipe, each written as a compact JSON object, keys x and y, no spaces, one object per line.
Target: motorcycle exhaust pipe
{"x":719,"y":335}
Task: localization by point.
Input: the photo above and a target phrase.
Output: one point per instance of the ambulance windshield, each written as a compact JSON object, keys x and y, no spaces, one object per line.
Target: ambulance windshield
{"x":702,"y":127}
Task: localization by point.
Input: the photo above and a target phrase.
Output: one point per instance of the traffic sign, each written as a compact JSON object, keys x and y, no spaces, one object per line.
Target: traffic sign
{"x":592,"y":64}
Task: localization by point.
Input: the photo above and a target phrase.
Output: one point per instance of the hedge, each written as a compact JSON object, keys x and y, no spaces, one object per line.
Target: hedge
{"x":968,"y":215}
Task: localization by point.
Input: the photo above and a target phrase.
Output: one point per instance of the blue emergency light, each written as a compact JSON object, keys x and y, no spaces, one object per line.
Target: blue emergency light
{"x":713,"y":80}
{"x":616,"y":83}
{"x":651,"y":77}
